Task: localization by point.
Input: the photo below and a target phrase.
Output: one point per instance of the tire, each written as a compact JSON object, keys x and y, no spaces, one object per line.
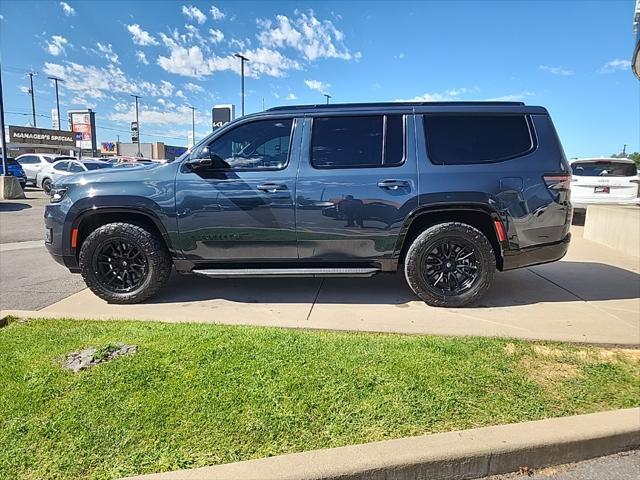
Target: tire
{"x":468,"y":249}
{"x":111,"y":271}
{"x":46,"y":185}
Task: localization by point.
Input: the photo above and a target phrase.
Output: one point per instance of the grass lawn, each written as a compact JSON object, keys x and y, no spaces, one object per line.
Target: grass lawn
{"x":197,"y":395}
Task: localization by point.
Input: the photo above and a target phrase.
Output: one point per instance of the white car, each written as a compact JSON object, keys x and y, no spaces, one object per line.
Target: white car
{"x":610,"y":181}
{"x":32,"y":163}
{"x":46,"y":177}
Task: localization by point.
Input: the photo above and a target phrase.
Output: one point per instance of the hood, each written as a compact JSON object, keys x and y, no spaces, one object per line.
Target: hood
{"x":136,"y":173}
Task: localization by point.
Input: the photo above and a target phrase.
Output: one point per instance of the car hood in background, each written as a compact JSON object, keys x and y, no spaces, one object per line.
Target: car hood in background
{"x":137,"y":173}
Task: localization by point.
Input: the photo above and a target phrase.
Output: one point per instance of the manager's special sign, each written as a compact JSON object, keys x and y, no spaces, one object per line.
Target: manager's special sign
{"x":41,"y":136}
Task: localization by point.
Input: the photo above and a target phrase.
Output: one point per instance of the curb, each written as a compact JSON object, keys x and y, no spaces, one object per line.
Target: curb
{"x":458,"y":455}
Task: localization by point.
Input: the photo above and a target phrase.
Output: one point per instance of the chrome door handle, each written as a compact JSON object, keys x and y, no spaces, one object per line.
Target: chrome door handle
{"x":393,"y":184}
{"x":271,"y":187}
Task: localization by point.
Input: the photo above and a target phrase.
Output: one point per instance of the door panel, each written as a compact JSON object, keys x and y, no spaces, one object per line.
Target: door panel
{"x":353,"y":213}
{"x":243,"y":214}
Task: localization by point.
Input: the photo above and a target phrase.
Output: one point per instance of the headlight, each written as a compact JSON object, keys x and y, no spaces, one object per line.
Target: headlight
{"x":57,"y":194}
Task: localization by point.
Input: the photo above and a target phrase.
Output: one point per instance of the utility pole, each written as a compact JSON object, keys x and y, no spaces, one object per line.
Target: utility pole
{"x":137,"y":124}
{"x":624,"y":150}
{"x":56,"y":80}
{"x":328,"y":97}
{"x":242,"y":60}
{"x":3,"y":142}
{"x":33,"y":99}
{"x":193,"y":125}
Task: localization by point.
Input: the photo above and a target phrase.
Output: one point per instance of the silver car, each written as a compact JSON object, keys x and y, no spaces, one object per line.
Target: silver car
{"x":47,"y":177}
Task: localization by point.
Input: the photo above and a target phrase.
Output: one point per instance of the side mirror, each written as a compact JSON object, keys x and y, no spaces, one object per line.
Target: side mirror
{"x":199,"y":163}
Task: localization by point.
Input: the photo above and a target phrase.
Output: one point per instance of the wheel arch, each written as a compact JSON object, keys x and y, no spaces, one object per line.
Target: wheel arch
{"x":481,"y":217}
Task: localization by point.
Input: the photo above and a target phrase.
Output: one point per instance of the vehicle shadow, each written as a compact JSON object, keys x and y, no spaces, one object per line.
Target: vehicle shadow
{"x":560,"y":282}
{"x":13,"y":206}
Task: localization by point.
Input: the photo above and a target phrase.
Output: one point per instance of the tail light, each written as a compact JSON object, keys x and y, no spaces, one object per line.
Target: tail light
{"x":637,"y":182}
{"x":558,"y":185}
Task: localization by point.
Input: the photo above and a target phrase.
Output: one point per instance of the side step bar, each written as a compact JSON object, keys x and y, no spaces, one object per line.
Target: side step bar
{"x":286,"y":272}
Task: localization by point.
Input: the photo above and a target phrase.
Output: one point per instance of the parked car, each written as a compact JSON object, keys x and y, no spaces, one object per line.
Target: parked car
{"x":446,"y":192}
{"x":604,"y":181}
{"x":62,"y":168}
{"x":14,"y":169}
{"x":32,"y":163}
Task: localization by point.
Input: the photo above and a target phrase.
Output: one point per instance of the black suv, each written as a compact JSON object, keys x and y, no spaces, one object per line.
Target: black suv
{"x":448,"y":192}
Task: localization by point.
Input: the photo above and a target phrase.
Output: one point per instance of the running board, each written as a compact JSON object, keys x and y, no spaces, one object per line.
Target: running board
{"x":286,"y":272}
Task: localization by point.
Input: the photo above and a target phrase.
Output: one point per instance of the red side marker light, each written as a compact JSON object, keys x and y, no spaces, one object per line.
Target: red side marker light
{"x":502,"y":235}
{"x":74,"y":238}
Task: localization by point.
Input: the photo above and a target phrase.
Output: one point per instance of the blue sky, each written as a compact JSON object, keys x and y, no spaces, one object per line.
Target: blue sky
{"x":569,"y":56}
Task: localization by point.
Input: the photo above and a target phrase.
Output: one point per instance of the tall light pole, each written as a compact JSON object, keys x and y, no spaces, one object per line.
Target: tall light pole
{"x":328,"y":97}
{"x":56,"y":80}
{"x":33,"y":99}
{"x":3,"y":142}
{"x":137,"y":124}
{"x":193,"y":125}
{"x":242,"y":60}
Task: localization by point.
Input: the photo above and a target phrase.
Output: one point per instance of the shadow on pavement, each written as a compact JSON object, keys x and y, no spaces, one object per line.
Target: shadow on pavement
{"x":560,"y":282}
{"x":13,"y":206}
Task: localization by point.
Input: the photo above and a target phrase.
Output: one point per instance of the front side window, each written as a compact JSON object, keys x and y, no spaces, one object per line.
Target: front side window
{"x":28,"y":160}
{"x":259,"y":145}
{"x":468,"y":139}
{"x":61,"y":166}
{"x":356,"y":142}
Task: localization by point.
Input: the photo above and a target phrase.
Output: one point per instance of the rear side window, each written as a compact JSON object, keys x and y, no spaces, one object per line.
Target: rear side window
{"x":467,"y":139}
{"x":357,"y":142}
{"x":605,"y":168}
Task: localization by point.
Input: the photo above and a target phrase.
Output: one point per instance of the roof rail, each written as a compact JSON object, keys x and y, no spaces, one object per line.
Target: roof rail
{"x":391,"y":104}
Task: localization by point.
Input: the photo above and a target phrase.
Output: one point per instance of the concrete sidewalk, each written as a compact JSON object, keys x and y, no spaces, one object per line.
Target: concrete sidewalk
{"x":472,"y":453}
{"x":591,"y":296}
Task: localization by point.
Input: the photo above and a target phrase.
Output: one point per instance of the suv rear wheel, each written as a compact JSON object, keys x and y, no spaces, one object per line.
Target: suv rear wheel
{"x":450,"y":265}
{"x":124,"y":263}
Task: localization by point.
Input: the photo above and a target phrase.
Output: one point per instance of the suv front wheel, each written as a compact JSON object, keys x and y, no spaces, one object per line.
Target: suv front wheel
{"x":450,"y":265}
{"x":124,"y":263}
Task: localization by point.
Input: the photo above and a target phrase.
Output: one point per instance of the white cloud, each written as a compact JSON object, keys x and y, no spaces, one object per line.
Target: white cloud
{"x":142,"y":57}
{"x":561,"y":71}
{"x":168,"y":114}
{"x":181,"y":95}
{"x":57,"y":45}
{"x":24,"y":89}
{"x":444,"y":96}
{"x":317,"y":85}
{"x":216,"y":35}
{"x":513,"y":97}
{"x":140,"y":37}
{"x":216,"y":13}
{"x":67,"y":9}
{"x":400,"y":56}
{"x":194,"y":13}
{"x":101,"y":82}
{"x":614,"y":65}
{"x":108,"y":52}
{"x":264,"y":61}
{"x":305,"y":33}
{"x":192,"y":87}
{"x":291,"y":96}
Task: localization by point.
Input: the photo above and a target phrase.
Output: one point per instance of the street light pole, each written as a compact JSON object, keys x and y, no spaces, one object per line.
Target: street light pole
{"x":242,"y":60}
{"x":328,"y":97}
{"x":137,"y":125}
{"x":33,"y":99}
{"x":56,"y":80}
{"x":193,"y":125}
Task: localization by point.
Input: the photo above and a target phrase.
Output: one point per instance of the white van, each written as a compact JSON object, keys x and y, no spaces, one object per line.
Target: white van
{"x":598,"y":181}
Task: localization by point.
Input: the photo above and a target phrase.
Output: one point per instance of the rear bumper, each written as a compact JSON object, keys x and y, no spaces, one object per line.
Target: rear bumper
{"x":583,"y":203}
{"x":527,"y":257}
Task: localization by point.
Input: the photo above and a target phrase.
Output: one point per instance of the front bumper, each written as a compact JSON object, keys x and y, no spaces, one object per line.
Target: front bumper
{"x":526,"y":257}
{"x":58,"y":236}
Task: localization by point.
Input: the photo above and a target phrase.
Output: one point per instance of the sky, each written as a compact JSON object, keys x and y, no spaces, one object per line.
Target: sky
{"x":572,"y":57}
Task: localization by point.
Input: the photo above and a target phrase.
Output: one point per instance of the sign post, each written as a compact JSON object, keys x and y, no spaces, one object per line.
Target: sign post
{"x":84,"y":123}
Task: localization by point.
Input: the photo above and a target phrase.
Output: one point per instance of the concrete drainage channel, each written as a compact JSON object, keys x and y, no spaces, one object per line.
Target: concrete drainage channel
{"x":458,"y":455}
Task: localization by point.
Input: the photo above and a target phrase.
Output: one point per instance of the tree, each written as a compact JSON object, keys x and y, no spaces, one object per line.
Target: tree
{"x":635,"y":156}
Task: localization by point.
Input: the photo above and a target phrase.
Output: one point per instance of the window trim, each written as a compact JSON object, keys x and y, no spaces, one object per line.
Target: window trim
{"x":384,"y":141}
{"x":532,"y":136}
{"x":270,"y":169}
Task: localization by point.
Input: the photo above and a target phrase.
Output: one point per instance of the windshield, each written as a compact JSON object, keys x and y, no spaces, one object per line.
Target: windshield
{"x":604,"y":168}
{"x":95,"y":166}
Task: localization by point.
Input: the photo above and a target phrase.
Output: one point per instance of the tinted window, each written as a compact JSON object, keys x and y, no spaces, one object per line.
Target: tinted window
{"x":96,"y":165}
{"x":61,"y":167}
{"x":28,"y":160}
{"x":75,"y":167}
{"x":257,"y":145}
{"x":353,"y":142}
{"x":464,"y":139}
{"x":604,"y":169}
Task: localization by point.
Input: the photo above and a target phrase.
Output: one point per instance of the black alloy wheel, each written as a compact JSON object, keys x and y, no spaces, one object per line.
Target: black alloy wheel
{"x":120,"y":265}
{"x":450,"y":267}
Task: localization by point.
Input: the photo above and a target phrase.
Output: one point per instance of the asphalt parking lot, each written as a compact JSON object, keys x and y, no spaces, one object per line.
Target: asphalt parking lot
{"x":592,"y":295}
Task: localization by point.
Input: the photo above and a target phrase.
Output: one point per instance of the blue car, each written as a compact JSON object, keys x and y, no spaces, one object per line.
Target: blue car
{"x":15,"y":170}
